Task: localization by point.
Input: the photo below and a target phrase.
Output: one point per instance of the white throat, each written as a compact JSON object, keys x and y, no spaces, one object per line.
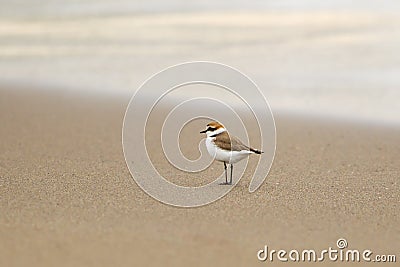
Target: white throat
{"x":218,"y":131}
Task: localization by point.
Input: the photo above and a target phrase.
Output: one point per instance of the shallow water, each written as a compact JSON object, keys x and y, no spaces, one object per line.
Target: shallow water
{"x":330,"y":58}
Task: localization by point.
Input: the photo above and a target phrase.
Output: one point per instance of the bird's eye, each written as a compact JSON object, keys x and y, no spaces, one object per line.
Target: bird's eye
{"x":211,"y":129}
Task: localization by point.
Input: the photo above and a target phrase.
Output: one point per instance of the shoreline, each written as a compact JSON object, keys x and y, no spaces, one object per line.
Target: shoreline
{"x":124,"y":98}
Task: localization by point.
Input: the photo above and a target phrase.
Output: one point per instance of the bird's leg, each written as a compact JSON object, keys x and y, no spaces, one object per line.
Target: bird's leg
{"x":230,"y":182}
{"x":226,"y":173}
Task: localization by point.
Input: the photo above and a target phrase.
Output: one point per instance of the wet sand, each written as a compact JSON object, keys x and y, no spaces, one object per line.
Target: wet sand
{"x":67,"y":198}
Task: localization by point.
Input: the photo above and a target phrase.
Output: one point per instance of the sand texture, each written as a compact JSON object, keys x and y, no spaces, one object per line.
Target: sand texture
{"x":67,"y":197}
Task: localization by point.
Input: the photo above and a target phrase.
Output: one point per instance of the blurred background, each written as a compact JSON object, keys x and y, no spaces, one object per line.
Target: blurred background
{"x":337,"y":59}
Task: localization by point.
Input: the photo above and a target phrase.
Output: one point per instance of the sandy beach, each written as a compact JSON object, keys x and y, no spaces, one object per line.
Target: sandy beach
{"x":67,"y":197}
{"x":329,"y":70}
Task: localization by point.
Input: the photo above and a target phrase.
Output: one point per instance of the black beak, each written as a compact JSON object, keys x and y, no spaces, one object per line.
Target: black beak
{"x":204,"y":131}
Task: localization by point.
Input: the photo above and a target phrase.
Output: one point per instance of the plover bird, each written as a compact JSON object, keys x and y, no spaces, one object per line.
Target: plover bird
{"x":226,"y":148}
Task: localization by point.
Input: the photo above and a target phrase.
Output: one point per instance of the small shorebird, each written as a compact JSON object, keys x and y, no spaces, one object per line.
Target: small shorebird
{"x":226,"y":148}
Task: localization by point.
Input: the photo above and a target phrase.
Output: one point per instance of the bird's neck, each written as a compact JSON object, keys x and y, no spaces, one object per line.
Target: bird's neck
{"x":217,"y":132}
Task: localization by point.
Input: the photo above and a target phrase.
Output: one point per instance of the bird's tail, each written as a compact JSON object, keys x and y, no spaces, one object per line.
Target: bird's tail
{"x":256,"y":151}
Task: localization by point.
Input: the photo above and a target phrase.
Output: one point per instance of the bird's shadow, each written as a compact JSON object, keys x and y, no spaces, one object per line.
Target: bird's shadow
{"x":225,"y":183}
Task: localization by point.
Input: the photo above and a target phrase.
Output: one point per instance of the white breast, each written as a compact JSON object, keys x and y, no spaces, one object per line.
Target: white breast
{"x":224,"y":155}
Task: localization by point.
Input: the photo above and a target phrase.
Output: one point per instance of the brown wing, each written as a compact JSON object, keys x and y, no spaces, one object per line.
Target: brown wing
{"x":227,"y":142}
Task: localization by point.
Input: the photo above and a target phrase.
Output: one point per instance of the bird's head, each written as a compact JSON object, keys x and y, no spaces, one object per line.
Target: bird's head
{"x":214,"y":128}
